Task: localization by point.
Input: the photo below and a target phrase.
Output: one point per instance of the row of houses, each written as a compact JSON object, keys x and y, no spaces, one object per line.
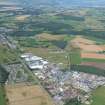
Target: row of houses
{"x":34,"y":62}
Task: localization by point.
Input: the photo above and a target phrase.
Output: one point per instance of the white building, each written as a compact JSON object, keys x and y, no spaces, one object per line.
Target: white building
{"x":32,"y":58}
{"x":26,"y":55}
{"x":34,"y":62}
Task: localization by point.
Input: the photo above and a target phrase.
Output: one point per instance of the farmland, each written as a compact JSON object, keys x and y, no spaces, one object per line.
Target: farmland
{"x":7,"y":55}
{"x":86,"y":45}
{"x":98,"y":96}
{"x":22,"y":17}
{"x":95,"y":64}
{"x":93,"y":55}
{"x":27,"y":95}
{"x":77,"y":49}
{"x":48,"y":46}
{"x":88,"y":69}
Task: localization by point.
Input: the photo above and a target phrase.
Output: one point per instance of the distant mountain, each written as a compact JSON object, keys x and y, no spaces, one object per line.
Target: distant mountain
{"x":60,"y":3}
{"x":82,"y":3}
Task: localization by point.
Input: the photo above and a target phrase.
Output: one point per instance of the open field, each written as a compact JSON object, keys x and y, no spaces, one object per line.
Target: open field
{"x":86,"y":45}
{"x":45,"y":40}
{"x":93,"y":55}
{"x":75,"y":56}
{"x":98,"y":96}
{"x":80,"y":39}
{"x":22,"y":17}
{"x":27,"y":95}
{"x":95,"y":64}
{"x":96,"y":40}
{"x":50,"y":37}
{"x":7,"y":55}
{"x":89,"y":49}
{"x":88,"y":69}
{"x":93,"y":60}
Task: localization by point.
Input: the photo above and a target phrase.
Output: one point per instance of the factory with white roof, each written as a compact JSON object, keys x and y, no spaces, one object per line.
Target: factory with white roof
{"x":34,"y":62}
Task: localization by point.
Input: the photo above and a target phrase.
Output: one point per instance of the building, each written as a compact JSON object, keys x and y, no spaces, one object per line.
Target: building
{"x":34,"y":62}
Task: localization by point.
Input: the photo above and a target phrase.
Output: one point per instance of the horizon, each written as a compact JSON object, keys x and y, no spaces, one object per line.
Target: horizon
{"x":61,"y":3}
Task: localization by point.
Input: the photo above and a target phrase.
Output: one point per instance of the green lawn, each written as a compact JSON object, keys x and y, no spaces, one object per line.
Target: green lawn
{"x":2,"y":96}
{"x":98,"y":96}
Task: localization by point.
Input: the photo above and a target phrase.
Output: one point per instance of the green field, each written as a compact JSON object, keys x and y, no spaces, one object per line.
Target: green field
{"x":93,"y":60}
{"x":88,"y":69}
{"x":75,"y":57}
{"x":2,"y":96}
{"x":97,"y":40}
{"x":98,"y":96}
{"x":7,"y":55}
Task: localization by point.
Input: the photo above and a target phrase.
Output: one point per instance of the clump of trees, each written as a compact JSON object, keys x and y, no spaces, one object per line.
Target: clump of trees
{"x":73,"y":102}
{"x":3,"y":75}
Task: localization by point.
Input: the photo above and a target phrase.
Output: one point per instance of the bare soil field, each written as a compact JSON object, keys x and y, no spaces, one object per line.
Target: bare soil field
{"x":49,"y":37}
{"x":93,"y":55}
{"x":22,"y":17}
{"x":86,"y":45}
{"x":27,"y":95}
{"x":80,"y":39}
{"x":94,"y":64}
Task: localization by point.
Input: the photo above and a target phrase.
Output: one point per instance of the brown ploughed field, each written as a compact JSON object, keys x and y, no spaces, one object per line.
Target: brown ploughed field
{"x":93,"y":55}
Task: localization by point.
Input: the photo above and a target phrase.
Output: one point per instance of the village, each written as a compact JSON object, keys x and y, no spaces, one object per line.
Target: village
{"x":62,"y":85}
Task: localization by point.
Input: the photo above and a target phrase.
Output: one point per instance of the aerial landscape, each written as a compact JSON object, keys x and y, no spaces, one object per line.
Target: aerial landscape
{"x":52,"y":52}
